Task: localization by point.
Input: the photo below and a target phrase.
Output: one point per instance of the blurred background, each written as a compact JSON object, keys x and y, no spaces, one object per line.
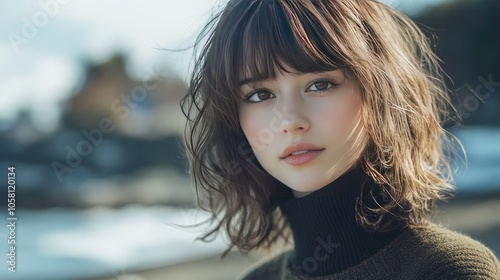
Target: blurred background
{"x":90,"y":118}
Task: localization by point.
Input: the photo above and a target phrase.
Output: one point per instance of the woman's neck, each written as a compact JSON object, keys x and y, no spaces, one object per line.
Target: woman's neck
{"x":327,"y":236}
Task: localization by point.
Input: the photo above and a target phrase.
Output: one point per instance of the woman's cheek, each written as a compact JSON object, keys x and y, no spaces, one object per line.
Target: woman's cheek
{"x":256,"y":129}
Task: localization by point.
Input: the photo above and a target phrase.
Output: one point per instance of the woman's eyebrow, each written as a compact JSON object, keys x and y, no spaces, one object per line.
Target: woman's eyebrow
{"x":253,"y":81}
{"x":248,"y":81}
{"x":260,"y":80}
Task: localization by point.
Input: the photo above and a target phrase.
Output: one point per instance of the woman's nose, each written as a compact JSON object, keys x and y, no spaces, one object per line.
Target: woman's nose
{"x":293,"y":119}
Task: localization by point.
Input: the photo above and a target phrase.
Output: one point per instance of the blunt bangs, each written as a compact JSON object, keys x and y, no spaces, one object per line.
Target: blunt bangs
{"x":276,"y":35}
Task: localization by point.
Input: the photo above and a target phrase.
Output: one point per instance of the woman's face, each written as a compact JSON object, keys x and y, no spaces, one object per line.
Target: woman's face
{"x":321,"y":109}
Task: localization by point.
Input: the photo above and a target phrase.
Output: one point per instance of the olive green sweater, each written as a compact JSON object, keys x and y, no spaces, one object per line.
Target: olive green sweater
{"x":329,"y":244}
{"x":434,"y":253}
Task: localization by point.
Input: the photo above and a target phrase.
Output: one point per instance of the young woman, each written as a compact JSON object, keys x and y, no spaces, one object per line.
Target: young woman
{"x":322,"y":120}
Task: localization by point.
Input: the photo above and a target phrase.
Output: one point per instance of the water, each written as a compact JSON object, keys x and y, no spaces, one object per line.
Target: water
{"x":481,"y":174}
{"x":66,"y":244}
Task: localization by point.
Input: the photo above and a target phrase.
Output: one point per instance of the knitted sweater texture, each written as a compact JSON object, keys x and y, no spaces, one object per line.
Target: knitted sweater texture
{"x":329,"y":244}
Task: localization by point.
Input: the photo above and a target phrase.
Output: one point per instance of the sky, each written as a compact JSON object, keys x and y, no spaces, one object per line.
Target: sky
{"x":43,"y":44}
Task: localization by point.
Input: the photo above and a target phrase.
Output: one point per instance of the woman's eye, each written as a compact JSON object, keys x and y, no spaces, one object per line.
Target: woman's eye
{"x":258,"y":97}
{"x":321,"y":85}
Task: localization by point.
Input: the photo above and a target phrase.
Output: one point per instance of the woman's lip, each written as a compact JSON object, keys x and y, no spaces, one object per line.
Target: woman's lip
{"x":298,"y":147}
{"x":302,"y":158}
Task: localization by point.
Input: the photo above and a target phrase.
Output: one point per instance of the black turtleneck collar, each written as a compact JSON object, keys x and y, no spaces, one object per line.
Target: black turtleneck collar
{"x":327,"y":237}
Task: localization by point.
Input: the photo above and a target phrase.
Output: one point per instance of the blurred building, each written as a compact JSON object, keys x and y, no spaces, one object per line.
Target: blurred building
{"x":144,"y":109}
{"x":466,"y":37}
{"x":138,"y":158}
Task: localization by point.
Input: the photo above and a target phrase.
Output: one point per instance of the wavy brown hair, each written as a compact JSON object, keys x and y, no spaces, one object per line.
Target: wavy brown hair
{"x":404,"y":97}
